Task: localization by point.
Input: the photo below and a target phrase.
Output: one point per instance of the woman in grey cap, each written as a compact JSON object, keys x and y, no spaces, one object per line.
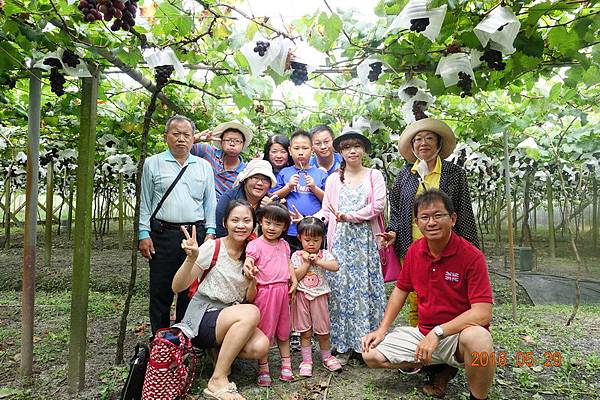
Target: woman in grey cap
{"x":252,"y":185}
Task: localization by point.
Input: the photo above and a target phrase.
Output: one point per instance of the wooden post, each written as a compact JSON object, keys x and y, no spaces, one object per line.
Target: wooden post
{"x":121,"y":212}
{"x":49,"y":214}
{"x":595,"y":212}
{"x":509,"y":218}
{"x":70,"y":215}
{"x":551,"y":233}
{"x":30,"y":234}
{"x":83,"y":232}
{"x":7,"y":216}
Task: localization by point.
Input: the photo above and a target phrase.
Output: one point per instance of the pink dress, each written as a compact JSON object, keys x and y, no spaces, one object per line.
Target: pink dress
{"x":272,"y":299}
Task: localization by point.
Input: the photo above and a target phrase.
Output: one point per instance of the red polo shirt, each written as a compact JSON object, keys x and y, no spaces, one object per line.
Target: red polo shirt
{"x":445,"y":286}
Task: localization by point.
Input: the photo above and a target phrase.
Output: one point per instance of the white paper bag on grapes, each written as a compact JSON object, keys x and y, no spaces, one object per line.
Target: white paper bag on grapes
{"x":258,"y":63}
{"x":279,"y":63}
{"x":407,"y":109}
{"x":413,"y":82}
{"x":158,"y":57}
{"x":53,"y":54}
{"x":450,"y":65}
{"x":366,"y":125}
{"x":417,"y":9}
{"x":500,"y":27}
{"x":364,"y":68}
{"x":305,"y":54}
{"x":80,"y":70}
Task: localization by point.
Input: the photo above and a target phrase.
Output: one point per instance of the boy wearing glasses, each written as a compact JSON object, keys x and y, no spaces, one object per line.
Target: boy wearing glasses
{"x":229,"y":139}
{"x":449,"y":275}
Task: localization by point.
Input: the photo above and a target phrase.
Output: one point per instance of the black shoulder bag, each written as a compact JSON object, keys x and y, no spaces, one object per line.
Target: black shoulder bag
{"x":155,"y":225}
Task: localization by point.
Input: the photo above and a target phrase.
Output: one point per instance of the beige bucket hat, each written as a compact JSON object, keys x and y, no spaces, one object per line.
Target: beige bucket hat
{"x":427,"y":124}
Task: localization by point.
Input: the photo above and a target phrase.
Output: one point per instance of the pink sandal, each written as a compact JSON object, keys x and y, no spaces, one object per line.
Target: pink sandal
{"x":264,"y":379}
{"x":332,"y":363}
{"x":286,"y":374}
{"x":306,"y":369}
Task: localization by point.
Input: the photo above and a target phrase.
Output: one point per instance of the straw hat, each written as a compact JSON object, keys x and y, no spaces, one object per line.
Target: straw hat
{"x":431,"y":125}
{"x":247,"y":133}
{"x":257,"y":167}
{"x":351,"y":133}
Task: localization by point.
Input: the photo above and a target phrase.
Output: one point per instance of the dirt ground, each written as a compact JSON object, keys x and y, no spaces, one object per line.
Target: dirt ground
{"x":539,"y":330}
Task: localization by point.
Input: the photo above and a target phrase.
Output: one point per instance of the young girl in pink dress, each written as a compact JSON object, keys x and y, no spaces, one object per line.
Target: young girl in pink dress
{"x":268,"y":261}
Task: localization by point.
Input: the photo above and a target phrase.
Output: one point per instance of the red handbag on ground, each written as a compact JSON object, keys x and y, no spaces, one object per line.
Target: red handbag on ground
{"x":171,"y":367}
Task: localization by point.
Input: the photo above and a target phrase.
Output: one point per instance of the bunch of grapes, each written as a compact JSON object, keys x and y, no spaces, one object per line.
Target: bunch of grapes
{"x":419,"y":24}
{"x":493,"y":59}
{"x":299,"y":73}
{"x":259,"y":108}
{"x":162,"y":74}
{"x":8,"y":80}
{"x":53,"y":62}
{"x":123,"y":11}
{"x":261,"y":47}
{"x":464,"y":83}
{"x":70,"y":58}
{"x":375,"y":71}
{"x":57,"y":82}
{"x":418,"y":109}
{"x":411,"y":90}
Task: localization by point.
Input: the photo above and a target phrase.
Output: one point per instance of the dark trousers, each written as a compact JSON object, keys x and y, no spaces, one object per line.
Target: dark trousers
{"x":294,"y":243}
{"x":165,"y":262}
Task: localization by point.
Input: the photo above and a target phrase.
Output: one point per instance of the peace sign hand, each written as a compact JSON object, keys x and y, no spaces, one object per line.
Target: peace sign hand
{"x":339,"y":217}
{"x":189,"y":244}
{"x":295,"y":215}
{"x":205,"y":136}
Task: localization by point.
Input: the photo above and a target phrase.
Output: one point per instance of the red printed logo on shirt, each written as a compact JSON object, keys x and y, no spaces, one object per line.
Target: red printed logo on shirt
{"x":452,"y":276}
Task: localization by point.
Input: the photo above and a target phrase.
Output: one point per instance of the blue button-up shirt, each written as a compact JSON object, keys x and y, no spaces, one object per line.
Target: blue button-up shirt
{"x":192,"y":199}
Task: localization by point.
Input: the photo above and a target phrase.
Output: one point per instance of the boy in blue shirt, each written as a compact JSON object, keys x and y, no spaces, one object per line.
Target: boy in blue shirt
{"x":300,"y":184}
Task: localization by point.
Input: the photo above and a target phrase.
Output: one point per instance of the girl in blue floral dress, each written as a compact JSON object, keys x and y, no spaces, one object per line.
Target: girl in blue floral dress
{"x":354,"y":200}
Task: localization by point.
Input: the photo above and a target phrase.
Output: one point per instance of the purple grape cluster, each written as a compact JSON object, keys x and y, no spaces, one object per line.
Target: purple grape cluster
{"x":123,"y":11}
{"x":464,"y":83}
{"x":419,"y":24}
{"x":299,"y":73}
{"x":410,"y":90}
{"x":53,"y":62}
{"x":418,"y":109}
{"x":57,"y":82}
{"x":162,"y":74}
{"x":375,"y":71}
{"x":70,"y":58}
{"x":493,"y":59}
{"x":261,"y":47}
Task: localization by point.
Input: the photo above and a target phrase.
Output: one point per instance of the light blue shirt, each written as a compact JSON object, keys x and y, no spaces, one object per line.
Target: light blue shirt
{"x":192,"y":199}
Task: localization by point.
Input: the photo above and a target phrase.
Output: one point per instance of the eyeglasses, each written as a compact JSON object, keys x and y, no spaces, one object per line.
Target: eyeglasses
{"x":236,"y":142}
{"x":436,"y":217}
{"x":428,"y":139}
{"x":263,"y":179}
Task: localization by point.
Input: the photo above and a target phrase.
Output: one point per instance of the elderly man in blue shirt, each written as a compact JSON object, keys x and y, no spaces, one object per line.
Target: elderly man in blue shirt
{"x":192,"y":201}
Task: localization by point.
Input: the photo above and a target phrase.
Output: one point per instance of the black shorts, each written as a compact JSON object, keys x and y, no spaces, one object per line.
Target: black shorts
{"x":206,"y":338}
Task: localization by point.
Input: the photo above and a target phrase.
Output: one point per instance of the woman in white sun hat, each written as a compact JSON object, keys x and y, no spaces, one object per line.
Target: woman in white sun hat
{"x":425,"y":144}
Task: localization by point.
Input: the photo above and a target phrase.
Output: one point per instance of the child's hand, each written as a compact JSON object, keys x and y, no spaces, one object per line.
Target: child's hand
{"x":293,"y":287}
{"x":295,"y":215}
{"x":305,"y":255}
{"x":189,"y":244}
{"x":249,"y":270}
{"x":313,"y":257}
{"x":293,"y":182}
{"x":339,"y":217}
{"x":310,"y":182}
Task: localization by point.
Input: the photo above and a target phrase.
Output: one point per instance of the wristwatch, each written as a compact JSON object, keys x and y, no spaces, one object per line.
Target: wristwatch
{"x":439,"y":331}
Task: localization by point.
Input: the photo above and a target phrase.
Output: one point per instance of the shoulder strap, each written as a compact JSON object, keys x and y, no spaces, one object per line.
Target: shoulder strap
{"x":213,"y":261}
{"x":194,"y":286}
{"x":164,"y":197}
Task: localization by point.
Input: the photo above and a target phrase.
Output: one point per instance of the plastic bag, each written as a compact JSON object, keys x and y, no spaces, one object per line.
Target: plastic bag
{"x":279,"y":63}
{"x":80,"y":71}
{"x":500,"y":27}
{"x":420,"y":84}
{"x":407,"y":109}
{"x":364,"y":69}
{"x":451,"y":65}
{"x":258,"y":63}
{"x":417,"y":9}
{"x":366,"y":125}
{"x":158,"y":57}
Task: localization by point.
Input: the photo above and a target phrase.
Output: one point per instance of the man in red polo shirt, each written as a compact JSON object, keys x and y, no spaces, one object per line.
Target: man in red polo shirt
{"x":451,"y":280}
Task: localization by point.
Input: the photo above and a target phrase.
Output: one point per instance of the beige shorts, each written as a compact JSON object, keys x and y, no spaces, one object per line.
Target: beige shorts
{"x":400,"y":346}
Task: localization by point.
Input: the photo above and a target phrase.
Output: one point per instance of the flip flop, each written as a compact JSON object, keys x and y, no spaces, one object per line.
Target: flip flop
{"x":230,"y":388}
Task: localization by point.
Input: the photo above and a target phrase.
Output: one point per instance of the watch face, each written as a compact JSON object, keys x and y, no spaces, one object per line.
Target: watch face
{"x":438,"y":331}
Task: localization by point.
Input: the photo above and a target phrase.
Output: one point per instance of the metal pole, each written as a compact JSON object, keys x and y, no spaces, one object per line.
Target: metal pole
{"x":29,"y":237}
{"x":83,"y":233}
{"x":551,"y":233}
{"x":509,"y":219}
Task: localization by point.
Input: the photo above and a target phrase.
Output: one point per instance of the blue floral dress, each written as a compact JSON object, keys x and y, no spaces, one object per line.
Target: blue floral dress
{"x":357,"y":299}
